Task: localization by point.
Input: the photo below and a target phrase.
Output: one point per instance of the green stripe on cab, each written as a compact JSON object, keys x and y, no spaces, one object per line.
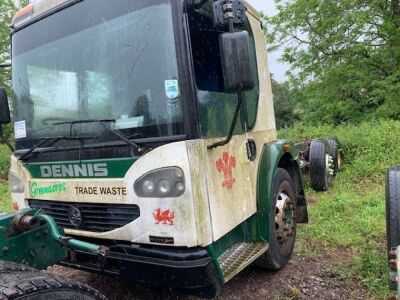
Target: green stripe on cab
{"x":103,"y":168}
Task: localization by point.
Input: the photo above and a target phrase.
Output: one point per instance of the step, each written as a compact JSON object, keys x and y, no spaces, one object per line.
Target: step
{"x":239,"y":256}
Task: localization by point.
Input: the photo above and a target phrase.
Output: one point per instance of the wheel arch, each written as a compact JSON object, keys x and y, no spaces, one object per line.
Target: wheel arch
{"x":280,"y":154}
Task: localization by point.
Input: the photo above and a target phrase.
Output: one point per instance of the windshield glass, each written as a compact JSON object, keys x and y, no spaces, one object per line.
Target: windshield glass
{"x":103,"y":60}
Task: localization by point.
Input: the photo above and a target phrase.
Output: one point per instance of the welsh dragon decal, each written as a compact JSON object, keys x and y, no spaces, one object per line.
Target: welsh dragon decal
{"x":164,"y":217}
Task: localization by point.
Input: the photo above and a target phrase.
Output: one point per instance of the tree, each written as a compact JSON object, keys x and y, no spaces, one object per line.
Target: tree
{"x":345,"y":57}
{"x":285,"y":109}
{"x":7,"y":11}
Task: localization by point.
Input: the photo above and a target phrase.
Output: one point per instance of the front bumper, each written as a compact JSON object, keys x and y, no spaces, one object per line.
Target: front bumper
{"x":186,"y":268}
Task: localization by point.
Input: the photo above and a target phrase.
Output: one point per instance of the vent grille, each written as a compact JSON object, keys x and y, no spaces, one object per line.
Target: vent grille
{"x":94,"y":217}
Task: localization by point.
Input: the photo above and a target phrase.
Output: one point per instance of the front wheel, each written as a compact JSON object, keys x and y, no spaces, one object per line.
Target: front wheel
{"x":20,"y":282}
{"x":282,"y":223}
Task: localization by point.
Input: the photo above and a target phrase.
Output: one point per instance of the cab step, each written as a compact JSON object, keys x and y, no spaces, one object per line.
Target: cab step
{"x":239,"y":256}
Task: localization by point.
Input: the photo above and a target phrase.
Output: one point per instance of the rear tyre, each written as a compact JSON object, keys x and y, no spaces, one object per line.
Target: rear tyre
{"x":25,"y":283}
{"x":321,"y":165}
{"x":393,"y":207}
{"x":336,"y":154}
{"x":282,"y":223}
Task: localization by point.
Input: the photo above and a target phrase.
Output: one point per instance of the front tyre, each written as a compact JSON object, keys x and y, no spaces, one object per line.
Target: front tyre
{"x":393,"y":207}
{"x":20,"y":282}
{"x":282,"y":223}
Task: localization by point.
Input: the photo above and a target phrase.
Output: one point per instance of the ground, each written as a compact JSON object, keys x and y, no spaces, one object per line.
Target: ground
{"x":305,"y":277}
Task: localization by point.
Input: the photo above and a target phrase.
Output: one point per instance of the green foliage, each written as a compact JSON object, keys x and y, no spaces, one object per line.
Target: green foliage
{"x":8,"y":8}
{"x":285,"y":109}
{"x":7,"y":11}
{"x":349,"y":220}
{"x":5,"y":203}
{"x":5,"y":155}
{"x":345,"y":57}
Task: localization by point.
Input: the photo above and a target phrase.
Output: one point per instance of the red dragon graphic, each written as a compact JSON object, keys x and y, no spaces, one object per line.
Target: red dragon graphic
{"x":166,"y":216}
{"x":226,"y":164}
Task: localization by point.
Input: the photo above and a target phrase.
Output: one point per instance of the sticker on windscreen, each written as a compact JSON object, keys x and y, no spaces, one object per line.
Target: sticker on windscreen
{"x":172,"y":89}
{"x":20,"y":130}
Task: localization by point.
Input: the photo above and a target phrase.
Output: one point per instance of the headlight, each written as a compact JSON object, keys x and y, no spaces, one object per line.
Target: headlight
{"x":15,"y":183}
{"x":148,"y":187}
{"x":161,"y":183}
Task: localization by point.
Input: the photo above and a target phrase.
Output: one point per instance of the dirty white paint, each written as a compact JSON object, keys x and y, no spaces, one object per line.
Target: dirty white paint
{"x":230,"y":207}
{"x":184,"y":228}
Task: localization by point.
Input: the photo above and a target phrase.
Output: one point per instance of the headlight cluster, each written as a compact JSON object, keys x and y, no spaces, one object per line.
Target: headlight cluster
{"x":15,"y":183}
{"x":161,"y":183}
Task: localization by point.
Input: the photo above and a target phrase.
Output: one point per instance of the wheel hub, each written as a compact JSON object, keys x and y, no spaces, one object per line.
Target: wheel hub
{"x":330,"y":167}
{"x":284,"y":218}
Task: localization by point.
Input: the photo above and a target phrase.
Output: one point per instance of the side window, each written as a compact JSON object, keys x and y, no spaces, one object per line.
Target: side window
{"x":216,"y":108}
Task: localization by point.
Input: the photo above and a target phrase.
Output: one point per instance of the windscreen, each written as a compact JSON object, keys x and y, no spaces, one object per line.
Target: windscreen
{"x":98,"y":60}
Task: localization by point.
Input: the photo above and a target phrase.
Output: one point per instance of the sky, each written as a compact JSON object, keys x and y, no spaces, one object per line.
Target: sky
{"x":277,"y":68}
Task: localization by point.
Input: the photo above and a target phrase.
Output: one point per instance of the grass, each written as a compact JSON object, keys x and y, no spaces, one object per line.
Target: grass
{"x":5,"y":198}
{"x":350,"y":218}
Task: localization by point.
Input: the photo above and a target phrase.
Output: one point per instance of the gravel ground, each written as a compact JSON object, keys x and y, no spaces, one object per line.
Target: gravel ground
{"x":314,"y":277}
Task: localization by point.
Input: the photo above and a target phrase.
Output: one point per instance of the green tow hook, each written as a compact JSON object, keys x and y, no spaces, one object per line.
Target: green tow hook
{"x":394,"y":264}
{"x":32,"y":238}
{"x":70,"y":243}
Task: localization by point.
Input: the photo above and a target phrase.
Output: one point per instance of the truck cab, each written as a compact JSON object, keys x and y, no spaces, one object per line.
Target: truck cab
{"x":125,"y":134}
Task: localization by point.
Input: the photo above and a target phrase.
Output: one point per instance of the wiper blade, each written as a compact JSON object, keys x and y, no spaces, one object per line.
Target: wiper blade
{"x":72,"y":122}
{"x":55,"y":140}
{"x":101,"y":122}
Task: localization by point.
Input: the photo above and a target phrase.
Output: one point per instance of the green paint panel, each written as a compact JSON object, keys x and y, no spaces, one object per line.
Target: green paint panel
{"x":238,"y":235}
{"x":36,"y":248}
{"x":271,"y":156}
{"x":104,"y":168}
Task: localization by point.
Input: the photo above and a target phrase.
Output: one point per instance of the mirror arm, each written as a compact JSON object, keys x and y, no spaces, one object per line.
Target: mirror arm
{"x":233,"y":124}
{"x":2,"y":137}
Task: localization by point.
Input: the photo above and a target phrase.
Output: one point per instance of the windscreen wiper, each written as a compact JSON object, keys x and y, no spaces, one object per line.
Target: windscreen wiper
{"x":54,"y":139}
{"x":133,"y":145}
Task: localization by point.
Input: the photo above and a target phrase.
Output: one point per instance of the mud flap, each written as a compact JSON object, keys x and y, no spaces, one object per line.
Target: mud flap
{"x":302,"y":212}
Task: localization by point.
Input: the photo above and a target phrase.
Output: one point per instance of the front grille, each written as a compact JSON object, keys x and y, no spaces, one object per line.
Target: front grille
{"x":94,"y":217}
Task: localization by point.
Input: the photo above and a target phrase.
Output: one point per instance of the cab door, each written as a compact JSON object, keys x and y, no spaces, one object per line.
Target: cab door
{"x":229,"y":170}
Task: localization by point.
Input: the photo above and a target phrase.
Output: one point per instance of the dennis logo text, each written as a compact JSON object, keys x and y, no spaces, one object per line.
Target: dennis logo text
{"x":74,"y":170}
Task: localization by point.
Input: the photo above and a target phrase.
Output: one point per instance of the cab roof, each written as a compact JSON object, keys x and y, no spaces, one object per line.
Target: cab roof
{"x":39,"y":7}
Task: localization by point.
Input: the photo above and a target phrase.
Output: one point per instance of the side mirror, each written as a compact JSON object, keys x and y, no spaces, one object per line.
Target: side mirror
{"x":237,"y":67}
{"x":4,"y":107}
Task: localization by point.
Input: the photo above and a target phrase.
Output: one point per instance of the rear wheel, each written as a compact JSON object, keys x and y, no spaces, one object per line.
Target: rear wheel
{"x":336,"y":154}
{"x":25,"y":283}
{"x":321,"y":165}
{"x":393,"y":207}
{"x":282,"y":223}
